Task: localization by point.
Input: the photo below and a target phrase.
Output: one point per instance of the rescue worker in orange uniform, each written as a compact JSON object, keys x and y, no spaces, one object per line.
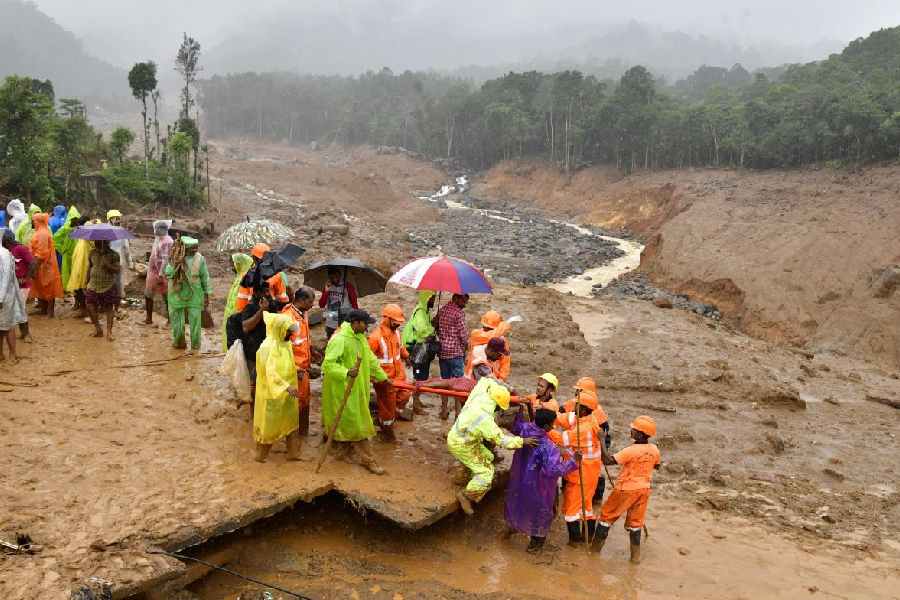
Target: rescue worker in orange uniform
{"x":580,"y":434}
{"x":631,"y":494}
{"x":392,"y":355}
{"x":277,"y":288}
{"x":492,"y":326}
{"x":543,"y":396}
{"x":298,"y":310}
{"x":587,"y":384}
{"x":487,"y":360}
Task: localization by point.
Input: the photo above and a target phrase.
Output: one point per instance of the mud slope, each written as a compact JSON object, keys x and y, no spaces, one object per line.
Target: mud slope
{"x":791,"y":257}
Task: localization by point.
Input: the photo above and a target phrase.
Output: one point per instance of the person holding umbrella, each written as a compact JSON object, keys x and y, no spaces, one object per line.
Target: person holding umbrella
{"x":338,"y":299}
{"x":102,"y":293}
{"x":348,"y":369}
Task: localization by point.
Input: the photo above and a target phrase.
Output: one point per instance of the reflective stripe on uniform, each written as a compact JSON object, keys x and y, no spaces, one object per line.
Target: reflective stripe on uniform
{"x":386,"y":359}
{"x":464,"y":430}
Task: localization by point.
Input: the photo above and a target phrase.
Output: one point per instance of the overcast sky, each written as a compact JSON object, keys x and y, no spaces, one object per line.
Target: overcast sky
{"x":126,"y":30}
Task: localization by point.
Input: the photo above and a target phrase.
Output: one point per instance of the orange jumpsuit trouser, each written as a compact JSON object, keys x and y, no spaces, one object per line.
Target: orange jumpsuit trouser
{"x":389,"y":399}
{"x":631,"y":503}
{"x":571,"y":510}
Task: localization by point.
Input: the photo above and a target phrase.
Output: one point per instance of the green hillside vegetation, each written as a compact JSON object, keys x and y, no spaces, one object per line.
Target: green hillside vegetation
{"x":845,"y":109}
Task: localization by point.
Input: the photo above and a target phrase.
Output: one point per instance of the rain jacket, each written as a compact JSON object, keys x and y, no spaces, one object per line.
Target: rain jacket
{"x":340,"y":356}
{"x":480,"y":338}
{"x":46,"y":284}
{"x":65,"y":245}
{"x":242,"y":264}
{"x":389,"y":350}
{"x":190,"y":293}
{"x":533,"y":478}
{"x":275,"y":413}
{"x":15,"y":211}
{"x":58,"y":217}
{"x":591,"y":466}
{"x":26,"y":229}
{"x":301,"y":346}
{"x":80,"y":262}
{"x":419,"y":327}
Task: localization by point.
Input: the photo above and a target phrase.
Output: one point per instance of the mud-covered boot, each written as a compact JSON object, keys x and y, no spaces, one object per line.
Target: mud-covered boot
{"x":293,"y":446}
{"x":366,"y":458}
{"x":575,"y":536}
{"x":387,"y":434}
{"x":635,"y":546}
{"x":535,"y":545}
{"x":600,"y":536}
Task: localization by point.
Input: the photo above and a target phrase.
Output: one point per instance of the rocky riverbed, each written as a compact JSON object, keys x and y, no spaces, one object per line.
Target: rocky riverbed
{"x":520,"y":247}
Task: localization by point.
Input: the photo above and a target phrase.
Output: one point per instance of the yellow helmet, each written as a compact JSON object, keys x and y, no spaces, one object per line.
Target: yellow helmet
{"x":551,"y":379}
{"x":500,"y":395}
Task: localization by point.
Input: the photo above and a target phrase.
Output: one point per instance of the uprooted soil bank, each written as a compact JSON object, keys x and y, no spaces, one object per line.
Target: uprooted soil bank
{"x":798,"y":257}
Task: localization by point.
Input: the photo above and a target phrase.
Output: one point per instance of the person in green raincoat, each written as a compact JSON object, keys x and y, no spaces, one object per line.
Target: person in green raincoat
{"x":276,"y":412}
{"x":355,"y":429}
{"x":241,"y":263}
{"x":188,"y":292}
{"x":26,"y":229}
{"x":65,"y":245}
{"x":474,"y":426}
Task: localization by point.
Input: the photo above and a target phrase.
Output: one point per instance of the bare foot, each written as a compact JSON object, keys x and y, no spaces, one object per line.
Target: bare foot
{"x":14,"y":360}
{"x":110,"y":338}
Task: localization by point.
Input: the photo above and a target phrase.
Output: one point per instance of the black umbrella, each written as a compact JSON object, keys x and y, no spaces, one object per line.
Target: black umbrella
{"x":364,"y":278}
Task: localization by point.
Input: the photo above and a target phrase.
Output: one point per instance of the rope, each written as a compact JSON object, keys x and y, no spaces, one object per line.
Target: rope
{"x":230,"y":572}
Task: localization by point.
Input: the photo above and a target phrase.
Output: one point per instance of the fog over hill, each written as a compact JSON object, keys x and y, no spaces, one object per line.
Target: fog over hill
{"x":351,"y":36}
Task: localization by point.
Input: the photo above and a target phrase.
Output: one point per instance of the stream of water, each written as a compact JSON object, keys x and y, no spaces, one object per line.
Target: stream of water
{"x":578,"y":285}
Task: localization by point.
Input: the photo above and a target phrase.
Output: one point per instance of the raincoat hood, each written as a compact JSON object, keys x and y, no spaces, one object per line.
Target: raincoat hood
{"x":33,"y":209}
{"x":419,"y":327}
{"x":424,"y":297}
{"x":58,"y":218}
{"x":40,"y":220}
{"x":277,"y":326}
{"x":15,"y":208}
{"x":113,"y":213}
{"x":161,"y":227}
{"x":242,"y":263}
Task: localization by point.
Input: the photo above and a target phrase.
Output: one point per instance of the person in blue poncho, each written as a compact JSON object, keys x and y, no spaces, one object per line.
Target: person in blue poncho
{"x":57,"y":218}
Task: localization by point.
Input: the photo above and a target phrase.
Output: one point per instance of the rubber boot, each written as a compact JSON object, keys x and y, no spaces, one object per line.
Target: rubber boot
{"x":262,"y":452}
{"x":591,"y":529}
{"x":575,"y":536}
{"x":535,"y":545}
{"x":600,"y":536}
{"x":293,"y":446}
{"x":635,"y":546}
{"x":601,"y":487}
{"x":387,"y":434}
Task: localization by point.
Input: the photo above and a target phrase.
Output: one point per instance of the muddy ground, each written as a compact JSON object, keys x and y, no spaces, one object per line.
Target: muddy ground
{"x":783,"y":451}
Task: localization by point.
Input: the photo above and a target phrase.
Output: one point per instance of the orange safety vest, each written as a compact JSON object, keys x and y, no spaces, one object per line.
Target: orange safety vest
{"x":390,"y":351}
{"x":277,"y":291}
{"x":480,"y":337}
{"x":300,"y":341}
{"x":589,"y":441}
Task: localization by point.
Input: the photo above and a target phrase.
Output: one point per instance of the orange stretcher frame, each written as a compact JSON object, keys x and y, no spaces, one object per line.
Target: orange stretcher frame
{"x":451,"y":393}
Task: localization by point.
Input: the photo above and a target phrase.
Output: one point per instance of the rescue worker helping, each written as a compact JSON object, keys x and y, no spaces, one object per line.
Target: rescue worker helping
{"x":492,"y":326}
{"x":392,"y":355}
{"x":474,"y":426}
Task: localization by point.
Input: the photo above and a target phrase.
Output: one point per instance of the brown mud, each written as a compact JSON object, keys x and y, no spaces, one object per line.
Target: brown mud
{"x":779,"y":449}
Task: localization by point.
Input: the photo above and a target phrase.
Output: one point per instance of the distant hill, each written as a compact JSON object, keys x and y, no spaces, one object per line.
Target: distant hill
{"x":33,"y":44}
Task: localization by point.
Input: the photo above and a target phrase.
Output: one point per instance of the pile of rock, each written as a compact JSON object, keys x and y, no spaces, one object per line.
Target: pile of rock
{"x":636,"y":285}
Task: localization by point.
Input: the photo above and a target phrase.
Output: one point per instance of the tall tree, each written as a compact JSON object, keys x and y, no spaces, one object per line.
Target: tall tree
{"x":120,"y":142}
{"x":187,"y":63}
{"x":26,"y":112}
{"x":142,"y":79}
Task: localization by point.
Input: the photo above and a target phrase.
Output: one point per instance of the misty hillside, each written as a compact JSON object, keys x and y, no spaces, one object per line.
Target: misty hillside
{"x":33,"y":44}
{"x":331,"y":42}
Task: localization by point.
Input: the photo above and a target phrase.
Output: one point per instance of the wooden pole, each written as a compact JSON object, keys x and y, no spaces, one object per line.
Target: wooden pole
{"x":584,"y":528}
{"x":337,"y":417}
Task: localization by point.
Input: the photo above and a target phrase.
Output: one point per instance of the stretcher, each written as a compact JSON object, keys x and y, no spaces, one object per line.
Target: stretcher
{"x":451,"y":393}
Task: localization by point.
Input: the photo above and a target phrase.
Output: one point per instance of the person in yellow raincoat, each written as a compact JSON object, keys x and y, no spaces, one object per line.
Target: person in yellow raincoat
{"x":356,"y":428}
{"x":474,"y":426}
{"x":26,"y":229}
{"x":241,"y":263}
{"x":78,"y":272}
{"x":276,"y":412}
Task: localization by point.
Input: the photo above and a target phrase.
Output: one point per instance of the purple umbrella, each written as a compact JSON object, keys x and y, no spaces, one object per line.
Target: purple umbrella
{"x":101,"y":232}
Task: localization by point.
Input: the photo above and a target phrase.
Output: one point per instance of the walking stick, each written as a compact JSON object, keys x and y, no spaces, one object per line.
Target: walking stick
{"x":337,"y":417}
{"x":584,"y":528}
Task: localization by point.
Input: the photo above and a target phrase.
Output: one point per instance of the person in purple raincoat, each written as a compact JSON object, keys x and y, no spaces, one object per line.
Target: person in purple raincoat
{"x":533,"y":478}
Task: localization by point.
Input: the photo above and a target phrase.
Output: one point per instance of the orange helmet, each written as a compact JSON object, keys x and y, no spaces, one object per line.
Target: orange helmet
{"x":645,"y":425}
{"x":588,"y":399}
{"x":260,"y":250}
{"x":393,"y":312}
{"x":586,"y":384}
{"x":491,"y":319}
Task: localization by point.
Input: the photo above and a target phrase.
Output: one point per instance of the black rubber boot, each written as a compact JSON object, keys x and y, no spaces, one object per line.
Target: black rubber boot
{"x":591,"y":528}
{"x":575,"y":536}
{"x":535,"y":545}
{"x":600,"y":537}
{"x":635,"y":546}
{"x":601,"y":487}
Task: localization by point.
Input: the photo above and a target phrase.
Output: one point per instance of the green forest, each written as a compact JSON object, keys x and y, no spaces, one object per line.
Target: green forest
{"x":49,"y":151}
{"x":841,"y":110}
